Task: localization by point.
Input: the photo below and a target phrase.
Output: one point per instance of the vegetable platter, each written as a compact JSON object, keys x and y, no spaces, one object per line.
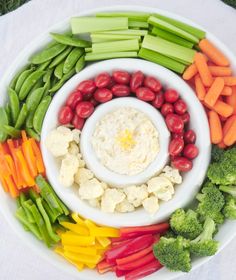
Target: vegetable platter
{"x":77,"y":245}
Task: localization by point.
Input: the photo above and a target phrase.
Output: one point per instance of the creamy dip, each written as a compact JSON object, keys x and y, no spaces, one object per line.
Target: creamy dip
{"x":125,"y":141}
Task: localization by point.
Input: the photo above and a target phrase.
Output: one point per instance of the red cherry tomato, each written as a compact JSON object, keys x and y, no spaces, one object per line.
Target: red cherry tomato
{"x":121,"y":77}
{"x":78,"y":122}
{"x":182,"y":164}
{"x":84,"y":109}
{"x":190,"y":151}
{"x":152,"y":83}
{"x":136,"y":80}
{"x":180,"y":107}
{"x":176,"y":146}
{"x":93,"y":101}
{"x":87,"y":87}
{"x":190,"y":136}
{"x":74,"y":98}
{"x":102,"y":80}
{"x":103,"y":95}
{"x":65,"y":115}
{"x":120,"y":90}
{"x":145,"y":94}
{"x":166,"y":109}
{"x":87,"y":96}
{"x":177,"y":135}
{"x":185,"y":117}
{"x":174,"y":123}
{"x":158,"y":101}
{"x":171,"y":95}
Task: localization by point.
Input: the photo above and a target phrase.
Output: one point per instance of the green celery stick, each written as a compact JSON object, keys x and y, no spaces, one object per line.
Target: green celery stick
{"x":101,"y":56}
{"x":98,"y":38}
{"x":88,"y":50}
{"x":139,"y":16}
{"x":138,"y":24}
{"x":116,"y":46}
{"x":125,"y":32}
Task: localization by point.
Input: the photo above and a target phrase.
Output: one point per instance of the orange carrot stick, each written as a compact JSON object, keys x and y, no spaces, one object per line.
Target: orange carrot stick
{"x":203,"y":69}
{"x":4,"y":183}
{"x":220,"y":71}
{"x":214,"y":91}
{"x":30,"y":158}
{"x":12,"y":187}
{"x":228,"y":124}
{"x":231,"y":100}
{"x":23,"y":135}
{"x":12,"y":167}
{"x":230,"y":81}
{"x":190,"y":72}
{"x":223,"y":109}
{"x":39,"y":159}
{"x":200,"y":89}
{"x":213,"y":53}
{"x":227,"y":91}
{"x":230,"y":136}
{"x":215,"y":128}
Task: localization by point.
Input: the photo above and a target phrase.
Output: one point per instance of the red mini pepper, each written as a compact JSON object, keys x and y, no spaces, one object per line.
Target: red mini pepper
{"x":103,"y":267}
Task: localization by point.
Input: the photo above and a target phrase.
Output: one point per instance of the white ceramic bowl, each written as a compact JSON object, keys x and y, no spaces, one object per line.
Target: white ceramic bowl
{"x":8,"y":206}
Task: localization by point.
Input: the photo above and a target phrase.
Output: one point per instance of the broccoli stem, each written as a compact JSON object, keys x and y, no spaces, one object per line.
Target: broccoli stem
{"x":229,"y":189}
{"x":208,"y":230}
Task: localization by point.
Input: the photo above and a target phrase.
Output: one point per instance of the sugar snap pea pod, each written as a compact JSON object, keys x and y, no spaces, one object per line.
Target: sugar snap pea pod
{"x":34,"y":98}
{"x":3,"y":121}
{"x":44,"y":65}
{"x":47,"y":54}
{"x":29,"y":83}
{"x":46,"y":87}
{"x":21,"y":79}
{"x":71,"y":41}
{"x":38,"y":84}
{"x":29,"y":120}
{"x":47,"y":75}
{"x":71,"y":59}
{"x":8,"y":112}
{"x":11,"y":131}
{"x":40,"y":113}
{"x":16,"y":76}
{"x":22,"y":117}
{"x":32,"y":133}
{"x":60,"y":57}
{"x":61,"y":82}
{"x":58,"y":72}
{"x":80,"y":64}
{"x":14,"y":104}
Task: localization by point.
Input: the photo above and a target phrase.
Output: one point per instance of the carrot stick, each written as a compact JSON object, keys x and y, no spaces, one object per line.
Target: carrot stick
{"x":213,"y":53}
{"x":12,"y":167}
{"x":4,"y":183}
{"x":23,"y":135}
{"x":39,"y":159}
{"x":215,"y":128}
{"x":203,"y":69}
{"x":230,"y":81}
{"x":190,"y":72}
{"x":228,"y":124}
{"x":227,"y":91}
{"x":223,"y":109}
{"x":5,"y":170}
{"x":214,"y":91}
{"x":30,"y":158}
{"x":221,"y":145}
{"x":231,"y":100}
{"x":220,"y":71}
{"x":230,"y":136}
{"x":200,"y":89}
{"x":12,"y":187}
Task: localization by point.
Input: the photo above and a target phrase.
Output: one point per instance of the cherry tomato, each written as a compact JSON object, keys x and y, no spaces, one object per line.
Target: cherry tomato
{"x":182,"y":164}
{"x":177,"y":135}
{"x":103,"y":95}
{"x":166,"y":109}
{"x":190,"y":151}
{"x":176,"y":146}
{"x":120,"y":90}
{"x":65,"y":115}
{"x":74,"y":98}
{"x":171,"y":95}
{"x":84,"y":109}
{"x":121,"y":77}
{"x":180,"y":107}
{"x":102,"y":80}
{"x":93,"y":101}
{"x":152,"y":83}
{"x":185,"y":117}
{"x":158,"y":101}
{"x":190,"y":136}
{"x":174,"y":123}
{"x":78,"y":122}
{"x":145,"y":94}
{"x":111,"y":84}
{"x":136,"y":80}
{"x":87,"y":96}
{"x":87,"y":87}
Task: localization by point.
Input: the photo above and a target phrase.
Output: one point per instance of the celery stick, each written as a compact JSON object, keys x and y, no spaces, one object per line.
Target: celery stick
{"x":180,"y":60}
{"x":168,"y":48}
{"x":188,"y":28}
{"x":97,"y":38}
{"x":172,"y":29}
{"x":116,"y":46}
{"x":139,"y":16}
{"x":131,"y":32}
{"x":101,"y":56}
{"x":88,"y":49}
{"x":138,"y":24}
{"x":162,"y":60}
{"x":171,"y":37}
{"x":92,"y":24}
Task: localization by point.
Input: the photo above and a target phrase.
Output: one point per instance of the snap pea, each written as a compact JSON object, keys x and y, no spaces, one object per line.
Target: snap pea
{"x":38,"y":84}
{"x":32,"y":133}
{"x":71,"y":59}
{"x":3,"y":121}
{"x":58,"y":72}
{"x":60,"y":57}
{"x":40,"y":113}
{"x":61,"y":82}
{"x":11,"y":131}
{"x":22,"y":78}
{"x":46,"y":87}
{"x":71,"y":41}
{"x":14,"y":104}
{"x":80,"y":64}
{"x":47,"y":75}
{"x":29,"y":120}
{"x":47,"y":54}
{"x":16,"y":76}
{"x":8,"y":112}
{"x":22,"y":117}
{"x":29,"y":83}
{"x":34,"y":98}
{"x":51,"y":44}
{"x":44,"y":65}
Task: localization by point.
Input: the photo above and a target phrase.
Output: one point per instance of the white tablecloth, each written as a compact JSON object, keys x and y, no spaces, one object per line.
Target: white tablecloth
{"x":20,"y":27}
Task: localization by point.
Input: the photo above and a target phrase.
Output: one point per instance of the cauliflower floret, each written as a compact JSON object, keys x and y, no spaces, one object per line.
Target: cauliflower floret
{"x":76,"y":135}
{"x":136,"y":194}
{"x":90,"y":189}
{"x":58,"y":141}
{"x":161,"y":187}
{"x":73,"y":148}
{"x":94,"y":202}
{"x":104,"y":185}
{"x":82,"y":175}
{"x":125,"y":206}
{"x":110,"y":199}
{"x":151,"y":205}
{"x":172,"y":174}
{"x":69,"y":166}
{"x":81,"y":162}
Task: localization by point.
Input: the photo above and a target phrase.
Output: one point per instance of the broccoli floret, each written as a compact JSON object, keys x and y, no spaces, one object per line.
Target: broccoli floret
{"x":229,"y":189}
{"x":216,"y":153}
{"x":229,"y":210}
{"x":170,"y":234}
{"x":211,"y":202}
{"x":186,"y":224}
{"x":223,"y":171}
{"x":231,"y":3}
{"x":173,"y":253}
{"x":204,"y":245}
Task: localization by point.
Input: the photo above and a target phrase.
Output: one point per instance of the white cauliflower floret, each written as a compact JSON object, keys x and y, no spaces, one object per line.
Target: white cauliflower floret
{"x":82,"y":175}
{"x":91,"y":189}
{"x":125,"y":206}
{"x":151,"y":205}
{"x":94,"y":202}
{"x":58,"y":141}
{"x":76,"y":135}
{"x":104,"y":185}
{"x":161,"y":187}
{"x":172,"y":174}
{"x":81,"y":162}
{"x":110,"y":199}
{"x":136,"y":194}
{"x":73,"y":148}
{"x":69,"y":166}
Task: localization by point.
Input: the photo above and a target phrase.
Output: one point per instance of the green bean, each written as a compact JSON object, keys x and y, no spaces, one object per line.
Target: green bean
{"x":32,"y":133}
{"x":29,"y":120}
{"x":3,"y":121}
{"x":80,"y":64}
{"x":40,"y":113}
{"x":11,"y":131}
{"x":21,"y":79}
{"x":61,"y":82}
{"x":16,"y":76}
{"x":14,"y":105}
{"x":71,"y":59}
{"x":47,"y":54}
{"x":22,"y":117}
{"x":71,"y":41}
{"x":29,"y":83}
{"x":34,"y":99}
{"x":8,"y":112}
{"x":44,"y":65}
{"x":58,"y":72}
{"x":60,"y":57}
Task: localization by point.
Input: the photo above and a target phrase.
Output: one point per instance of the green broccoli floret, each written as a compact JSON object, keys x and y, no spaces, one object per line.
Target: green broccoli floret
{"x":211,"y":202}
{"x":204,"y":245}
{"x":223,"y":171}
{"x":173,"y":253}
{"x":229,"y":189}
{"x":186,"y":224}
{"x":229,"y":210}
{"x":170,"y":234}
{"x":216,"y":153}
